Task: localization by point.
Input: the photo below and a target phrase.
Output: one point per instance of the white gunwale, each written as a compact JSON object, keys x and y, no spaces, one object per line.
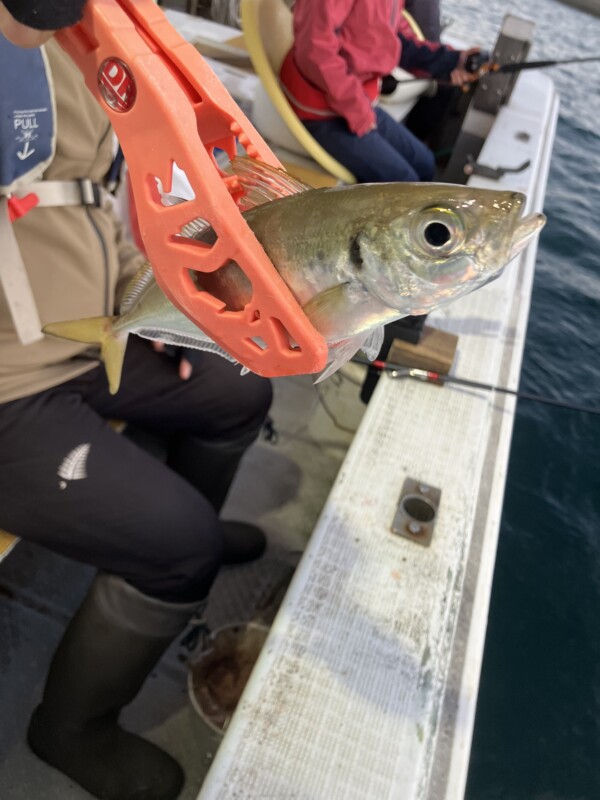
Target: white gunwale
{"x":367,"y":685}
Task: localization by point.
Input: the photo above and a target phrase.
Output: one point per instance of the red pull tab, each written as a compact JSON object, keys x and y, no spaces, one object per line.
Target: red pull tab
{"x":19,"y":206}
{"x":168,"y":107}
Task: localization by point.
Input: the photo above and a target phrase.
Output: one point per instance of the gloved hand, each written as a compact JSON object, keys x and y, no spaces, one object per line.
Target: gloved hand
{"x":29,"y":23}
{"x":463,"y":73}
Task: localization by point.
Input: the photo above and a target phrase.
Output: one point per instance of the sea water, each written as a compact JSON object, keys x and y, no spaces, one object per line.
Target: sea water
{"x":537,"y":730}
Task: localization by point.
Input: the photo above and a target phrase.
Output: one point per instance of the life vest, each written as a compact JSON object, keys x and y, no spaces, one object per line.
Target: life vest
{"x":27,"y":147}
{"x":27,"y":143}
{"x":27,"y":116}
{"x":307,"y":100}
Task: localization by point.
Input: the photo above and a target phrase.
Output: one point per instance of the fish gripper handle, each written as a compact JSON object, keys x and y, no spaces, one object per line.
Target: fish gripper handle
{"x":168,"y":107}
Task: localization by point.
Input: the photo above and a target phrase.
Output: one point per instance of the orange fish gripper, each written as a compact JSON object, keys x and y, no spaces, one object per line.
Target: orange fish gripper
{"x":168,"y":107}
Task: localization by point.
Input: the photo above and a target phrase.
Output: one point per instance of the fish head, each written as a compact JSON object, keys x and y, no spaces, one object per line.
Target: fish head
{"x":435,"y":242}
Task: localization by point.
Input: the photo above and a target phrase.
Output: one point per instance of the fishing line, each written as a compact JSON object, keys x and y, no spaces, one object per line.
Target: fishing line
{"x":326,"y":408}
{"x":343,"y":374}
{"x":396,"y":371}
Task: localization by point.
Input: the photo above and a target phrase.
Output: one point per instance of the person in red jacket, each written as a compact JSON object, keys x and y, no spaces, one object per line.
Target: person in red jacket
{"x":332,"y":76}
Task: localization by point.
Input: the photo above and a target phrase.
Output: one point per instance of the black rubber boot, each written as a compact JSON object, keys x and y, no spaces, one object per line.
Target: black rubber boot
{"x":242,"y":542}
{"x":103,"y":659}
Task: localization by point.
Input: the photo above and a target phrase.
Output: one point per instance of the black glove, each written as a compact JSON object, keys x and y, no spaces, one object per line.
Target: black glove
{"x":50,"y":15}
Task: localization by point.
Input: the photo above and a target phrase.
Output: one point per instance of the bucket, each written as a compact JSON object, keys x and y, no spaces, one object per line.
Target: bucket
{"x":217,"y":678}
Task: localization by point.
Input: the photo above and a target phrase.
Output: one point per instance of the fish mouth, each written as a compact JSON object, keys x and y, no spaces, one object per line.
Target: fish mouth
{"x":526,"y":229}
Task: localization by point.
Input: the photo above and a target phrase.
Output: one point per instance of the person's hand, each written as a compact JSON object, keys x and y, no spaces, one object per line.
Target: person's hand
{"x":19,"y":34}
{"x":185,"y":367}
{"x":460,"y":74}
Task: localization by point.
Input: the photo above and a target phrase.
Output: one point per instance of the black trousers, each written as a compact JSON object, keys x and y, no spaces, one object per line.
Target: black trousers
{"x":69,"y":482}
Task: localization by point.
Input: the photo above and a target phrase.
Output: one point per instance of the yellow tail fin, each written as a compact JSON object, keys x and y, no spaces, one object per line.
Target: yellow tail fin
{"x":96,"y":330}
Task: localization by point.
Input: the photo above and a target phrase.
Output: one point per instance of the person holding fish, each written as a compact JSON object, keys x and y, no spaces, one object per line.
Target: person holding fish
{"x":68,"y":481}
{"x":332,"y":76}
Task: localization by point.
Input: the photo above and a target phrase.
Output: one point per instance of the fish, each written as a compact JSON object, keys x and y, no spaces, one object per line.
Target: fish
{"x":355,"y":257}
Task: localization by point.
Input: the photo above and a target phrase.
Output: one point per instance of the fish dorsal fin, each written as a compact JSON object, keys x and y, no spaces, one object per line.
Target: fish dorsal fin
{"x":136,"y":287}
{"x":263,"y":183}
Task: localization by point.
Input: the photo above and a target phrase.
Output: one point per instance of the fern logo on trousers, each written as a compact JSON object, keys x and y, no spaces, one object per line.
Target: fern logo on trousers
{"x":74,"y":465}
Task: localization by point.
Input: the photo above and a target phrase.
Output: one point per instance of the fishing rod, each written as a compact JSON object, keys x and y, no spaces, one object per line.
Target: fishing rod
{"x":517,"y":67}
{"x":397,"y":371}
{"x":479,"y":65}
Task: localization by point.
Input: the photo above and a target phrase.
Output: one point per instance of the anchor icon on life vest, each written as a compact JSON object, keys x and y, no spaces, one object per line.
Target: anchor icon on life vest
{"x":25,"y":152}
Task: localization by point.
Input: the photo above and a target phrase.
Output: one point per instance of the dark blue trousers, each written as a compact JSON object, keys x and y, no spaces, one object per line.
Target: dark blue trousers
{"x":390,"y":153}
{"x":70,"y":483}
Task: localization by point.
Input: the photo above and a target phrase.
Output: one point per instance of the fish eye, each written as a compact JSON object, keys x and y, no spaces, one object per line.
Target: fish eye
{"x":439,"y":231}
{"x":437,"y":234}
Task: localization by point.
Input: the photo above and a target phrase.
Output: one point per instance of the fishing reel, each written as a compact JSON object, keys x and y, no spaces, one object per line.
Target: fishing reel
{"x":478,"y":61}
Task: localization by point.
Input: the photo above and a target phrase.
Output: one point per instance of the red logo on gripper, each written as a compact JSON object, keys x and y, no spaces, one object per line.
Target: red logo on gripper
{"x":116,"y":84}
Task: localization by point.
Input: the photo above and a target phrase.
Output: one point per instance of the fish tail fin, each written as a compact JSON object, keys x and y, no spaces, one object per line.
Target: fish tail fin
{"x":96,"y":330}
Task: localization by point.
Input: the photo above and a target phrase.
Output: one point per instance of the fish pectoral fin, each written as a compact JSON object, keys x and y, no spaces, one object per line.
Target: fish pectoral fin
{"x":96,"y":330}
{"x":373,"y":344}
{"x":341,"y":352}
{"x":336,"y":313}
{"x":328,"y":311}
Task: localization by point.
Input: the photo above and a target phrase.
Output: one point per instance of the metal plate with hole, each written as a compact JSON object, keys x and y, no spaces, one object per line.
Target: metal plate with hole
{"x":417,"y":511}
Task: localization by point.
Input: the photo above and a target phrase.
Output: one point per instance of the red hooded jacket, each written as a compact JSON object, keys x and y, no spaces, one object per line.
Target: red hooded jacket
{"x":342,"y":49}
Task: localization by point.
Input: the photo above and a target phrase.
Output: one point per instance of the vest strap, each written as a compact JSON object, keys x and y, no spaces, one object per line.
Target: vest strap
{"x":13,"y":273}
{"x":15,"y":283}
{"x":82,"y":192}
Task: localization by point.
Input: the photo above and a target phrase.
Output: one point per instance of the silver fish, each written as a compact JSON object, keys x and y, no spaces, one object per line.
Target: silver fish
{"x":354,"y":257}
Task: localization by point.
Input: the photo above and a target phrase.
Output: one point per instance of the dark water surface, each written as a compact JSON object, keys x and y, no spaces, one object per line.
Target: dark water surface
{"x":537,"y":732}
